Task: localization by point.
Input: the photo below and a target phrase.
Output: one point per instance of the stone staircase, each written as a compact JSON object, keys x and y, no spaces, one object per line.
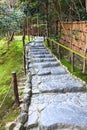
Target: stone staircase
{"x":59,"y":99}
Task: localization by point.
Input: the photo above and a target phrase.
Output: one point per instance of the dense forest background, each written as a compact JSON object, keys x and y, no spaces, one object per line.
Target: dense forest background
{"x":48,"y":13}
{"x":19,"y":18}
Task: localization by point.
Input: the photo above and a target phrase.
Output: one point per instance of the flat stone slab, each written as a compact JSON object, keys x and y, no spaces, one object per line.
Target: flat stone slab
{"x":58,"y":78}
{"x":58,"y":111}
{"x":49,"y":71}
{"x":53,"y":70}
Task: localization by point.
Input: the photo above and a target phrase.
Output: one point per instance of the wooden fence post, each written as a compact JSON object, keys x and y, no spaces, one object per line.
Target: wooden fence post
{"x":85,"y":52}
{"x":59,"y":52}
{"x":84,"y":66}
{"x":15,"y":87}
{"x":51,"y":45}
{"x":72,"y":61}
{"x":47,"y":42}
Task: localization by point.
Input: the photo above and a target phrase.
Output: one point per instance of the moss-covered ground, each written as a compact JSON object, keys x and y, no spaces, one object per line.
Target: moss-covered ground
{"x":11,"y":59}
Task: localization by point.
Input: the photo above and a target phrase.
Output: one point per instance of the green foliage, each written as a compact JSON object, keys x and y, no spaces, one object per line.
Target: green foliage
{"x":10,"y":20}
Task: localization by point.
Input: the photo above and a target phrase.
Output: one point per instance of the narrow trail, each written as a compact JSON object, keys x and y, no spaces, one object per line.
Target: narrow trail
{"x":59,"y":100}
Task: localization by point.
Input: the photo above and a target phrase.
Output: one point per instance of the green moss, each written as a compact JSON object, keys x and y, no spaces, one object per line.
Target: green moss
{"x":77,"y":72}
{"x":11,"y":115}
{"x":11,"y":60}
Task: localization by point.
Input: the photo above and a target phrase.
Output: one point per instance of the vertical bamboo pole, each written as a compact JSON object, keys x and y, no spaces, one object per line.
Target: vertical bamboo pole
{"x":72,"y":61}
{"x":51,"y":45}
{"x":84,"y":60}
{"x":59,"y":33}
{"x":86,"y":5}
{"x":47,"y":15}
{"x":84,"y":66}
{"x":59,"y":52}
{"x":72,"y":54}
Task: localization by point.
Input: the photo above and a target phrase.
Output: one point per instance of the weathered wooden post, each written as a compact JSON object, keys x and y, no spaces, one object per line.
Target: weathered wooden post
{"x":72,"y":55}
{"x":47,"y":42}
{"x":84,"y":66}
{"x":51,"y":45}
{"x":15,"y":87}
{"x":72,"y":61}
{"x":59,"y":52}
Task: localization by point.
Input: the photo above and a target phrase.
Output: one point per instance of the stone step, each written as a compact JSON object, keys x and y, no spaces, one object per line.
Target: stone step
{"x":37,"y":48}
{"x":46,"y":64}
{"x":53,"y":70}
{"x":50,"y":70}
{"x":59,"y":100}
{"x":58,"y":112}
{"x":37,"y":45}
{"x":39,"y":56}
{"x":57,"y":70}
{"x":37,"y":60}
{"x":56,"y":83}
{"x":39,"y":52}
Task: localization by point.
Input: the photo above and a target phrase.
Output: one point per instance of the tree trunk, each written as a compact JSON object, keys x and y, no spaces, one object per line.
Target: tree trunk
{"x":57,"y":27}
{"x":47,"y":21}
{"x":28,"y":30}
{"x":11,"y":39}
{"x":12,"y":36}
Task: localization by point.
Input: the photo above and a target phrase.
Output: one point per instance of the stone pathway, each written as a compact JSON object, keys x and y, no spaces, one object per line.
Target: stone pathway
{"x":59,"y":100}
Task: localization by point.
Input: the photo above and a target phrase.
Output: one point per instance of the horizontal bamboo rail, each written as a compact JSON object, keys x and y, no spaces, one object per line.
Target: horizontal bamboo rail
{"x":67,"y":48}
{"x":72,"y":53}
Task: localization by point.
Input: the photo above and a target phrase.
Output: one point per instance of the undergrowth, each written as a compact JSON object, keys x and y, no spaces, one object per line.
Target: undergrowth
{"x":77,"y":72}
{"x":11,"y":59}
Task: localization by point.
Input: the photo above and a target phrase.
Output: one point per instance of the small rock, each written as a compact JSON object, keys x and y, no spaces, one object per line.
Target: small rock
{"x":24,"y":107}
{"x":19,"y":126}
{"x":26,"y":98}
{"x":29,"y":77}
{"x":32,"y":120}
{"x":10,"y":125}
{"x":27,"y":91}
{"x":28,"y":85}
{"x":23,"y":117}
